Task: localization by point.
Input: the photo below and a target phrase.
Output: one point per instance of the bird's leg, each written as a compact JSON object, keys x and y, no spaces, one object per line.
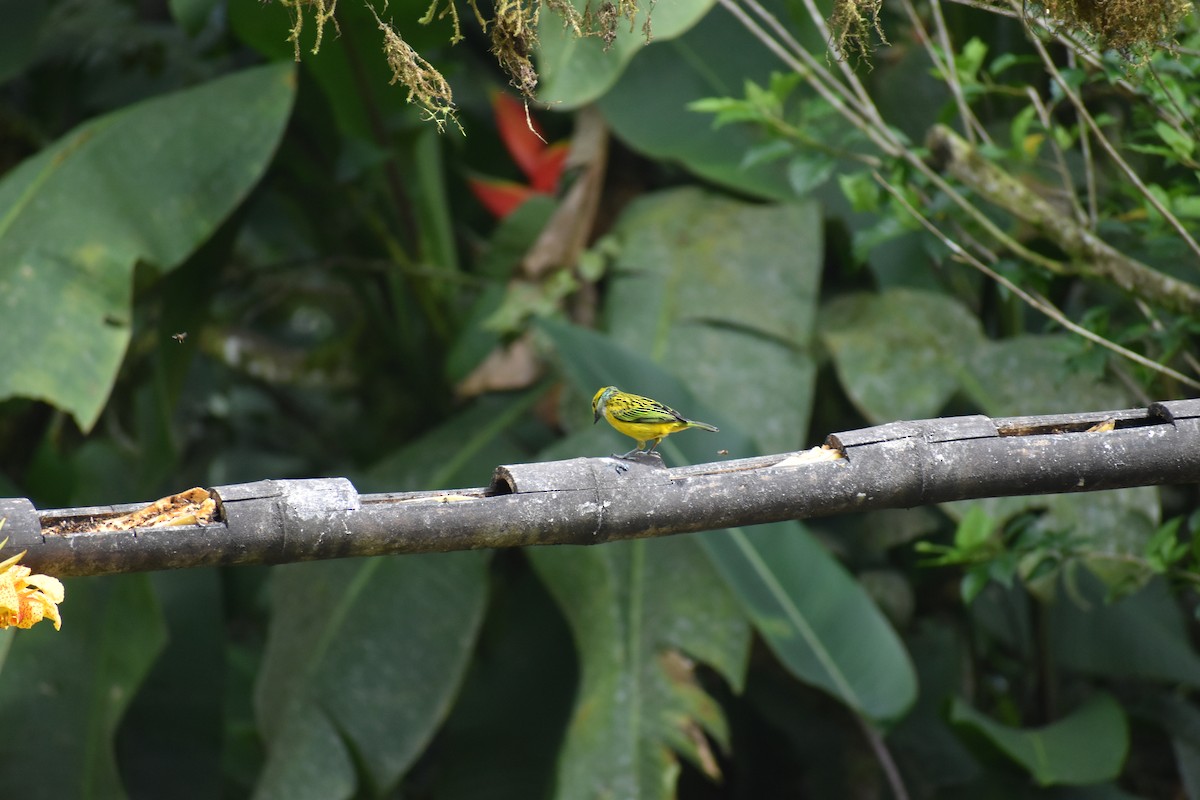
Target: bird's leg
{"x":637,"y":449}
{"x":621,"y":467}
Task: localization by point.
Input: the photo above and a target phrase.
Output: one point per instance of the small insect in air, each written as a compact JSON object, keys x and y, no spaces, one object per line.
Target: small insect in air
{"x":180,"y":337}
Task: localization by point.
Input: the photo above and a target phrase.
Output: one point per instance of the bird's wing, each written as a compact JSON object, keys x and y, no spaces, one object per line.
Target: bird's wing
{"x":645,"y":410}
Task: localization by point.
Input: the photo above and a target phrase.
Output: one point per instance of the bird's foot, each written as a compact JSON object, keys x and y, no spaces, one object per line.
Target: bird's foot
{"x":648,"y":457}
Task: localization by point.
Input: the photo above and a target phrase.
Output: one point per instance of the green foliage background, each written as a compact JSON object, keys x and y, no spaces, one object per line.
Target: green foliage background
{"x":168,"y":169}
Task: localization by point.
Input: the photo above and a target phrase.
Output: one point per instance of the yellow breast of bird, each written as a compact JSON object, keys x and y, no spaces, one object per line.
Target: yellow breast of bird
{"x":644,"y":431}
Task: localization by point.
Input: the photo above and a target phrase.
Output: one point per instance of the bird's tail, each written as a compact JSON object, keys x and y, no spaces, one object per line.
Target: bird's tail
{"x":704,"y":426}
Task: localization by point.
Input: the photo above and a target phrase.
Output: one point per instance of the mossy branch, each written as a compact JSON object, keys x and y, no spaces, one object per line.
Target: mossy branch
{"x":1090,"y":256}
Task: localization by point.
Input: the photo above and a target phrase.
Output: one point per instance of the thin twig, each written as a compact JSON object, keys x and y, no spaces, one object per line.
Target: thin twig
{"x":887,"y":141}
{"x":1105,"y":144}
{"x":803,"y":63}
{"x":1181,"y":118}
{"x":818,"y":20}
{"x":1090,"y":256}
{"x":1035,"y":301}
{"x":949,"y":70}
{"x":1060,"y":160}
{"x":988,"y":7}
{"x":884,"y":756}
{"x":1156,"y":323}
{"x":1089,"y":167}
{"x":881,"y":134}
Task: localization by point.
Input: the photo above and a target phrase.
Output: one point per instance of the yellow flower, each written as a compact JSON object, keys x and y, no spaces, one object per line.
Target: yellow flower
{"x":26,"y":599}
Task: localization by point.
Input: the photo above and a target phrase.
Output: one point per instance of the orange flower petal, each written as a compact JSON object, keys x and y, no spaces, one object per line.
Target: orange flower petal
{"x":499,"y":197}
{"x":525,"y":146}
{"x":549,"y":168}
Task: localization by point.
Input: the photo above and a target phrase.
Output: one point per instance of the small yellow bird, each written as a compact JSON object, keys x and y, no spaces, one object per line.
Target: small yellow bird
{"x":639,"y":417}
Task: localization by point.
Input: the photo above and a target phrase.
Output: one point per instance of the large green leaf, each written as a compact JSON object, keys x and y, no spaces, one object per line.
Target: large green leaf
{"x":172,"y":734}
{"x":363,"y":660}
{"x":192,"y":14}
{"x":462,"y":451}
{"x":690,"y":288}
{"x":900,"y":354}
{"x":639,"y":613}
{"x":574,"y":71}
{"x":1142,"y":636}
{"x":725,"y":291}
{"x":691,"y":280}
{"x":1087,"y":746}
{"x":1034,"y":374}
{"x":591,"y":360}
{"x":65,"y":692}
{"x":903,"y":353}
{"x":366,"y":656}
{"x":525,"y":668}
{"x":1180,"y":718}
{"x":147,"y":183}
{"x":817,"y":619}
{"x":648,"y":107}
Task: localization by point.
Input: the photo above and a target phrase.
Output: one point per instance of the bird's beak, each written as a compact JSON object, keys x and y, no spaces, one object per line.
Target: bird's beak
{"x":596,"y":415}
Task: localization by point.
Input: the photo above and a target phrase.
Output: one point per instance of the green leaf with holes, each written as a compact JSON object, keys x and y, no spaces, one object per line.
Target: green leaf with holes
{"x":145,"y":184}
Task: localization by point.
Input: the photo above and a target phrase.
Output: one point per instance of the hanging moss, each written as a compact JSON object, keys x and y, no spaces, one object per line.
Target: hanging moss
{"x":852,"y":24}
{"x":1119,"y":24}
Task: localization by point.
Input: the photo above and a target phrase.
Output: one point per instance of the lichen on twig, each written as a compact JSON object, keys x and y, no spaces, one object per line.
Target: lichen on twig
{"x":323,"y":12}
{"x":427,"y":88}
{"x":851,"y":25}
{"x":513,"y":31}
{"x":451,"y":9}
